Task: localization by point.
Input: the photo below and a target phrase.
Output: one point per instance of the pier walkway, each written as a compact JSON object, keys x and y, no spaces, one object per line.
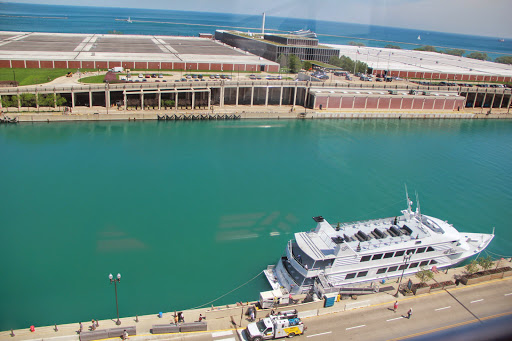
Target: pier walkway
{"x":232,"y":317}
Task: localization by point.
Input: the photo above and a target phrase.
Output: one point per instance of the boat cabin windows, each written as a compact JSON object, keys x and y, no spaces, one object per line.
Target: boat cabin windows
{"x":377,"y":256}
{"x":402,"y":267}
{"x":413,"y":265}
{"x":381,"y":270}
{"x":425,"y":262}
{"x":399,"y":253}
{"x":421,"y":250}
{"x":430,"y":249}
{"x":433,"y":261}
{"x":388,"y":255}
{"x":410,"y":251}
{"x":351,"y":275}
{"x":392,"y":268}
{"x":362,"y":273}
{"x":365,"y":258}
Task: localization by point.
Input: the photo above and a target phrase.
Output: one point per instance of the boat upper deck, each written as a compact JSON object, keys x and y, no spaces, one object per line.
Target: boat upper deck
{"x":330,"y":241}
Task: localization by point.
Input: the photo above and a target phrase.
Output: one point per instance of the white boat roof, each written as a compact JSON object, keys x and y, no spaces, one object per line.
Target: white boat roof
{"x":410,"y":230}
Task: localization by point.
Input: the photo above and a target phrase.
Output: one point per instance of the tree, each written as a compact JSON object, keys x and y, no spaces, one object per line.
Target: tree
{"x":454,"y":52}
{"x":426,"y":48}
{"x":61,"y":101}
{"x":472,"y":267}
{"x":353,"y":43}
{"x":10,"y":101}
{"x":391,"y":46}
{"x":504,"y":60}
{"x":485,"y":262}
{"x":282,"y":60}
{"x":478,"y":55}
{"x":424,"y":275}
{"x":168,"y":103}
{"x":28,"y":100}
{"x":294,"y":63}
{"x":307,"y":65}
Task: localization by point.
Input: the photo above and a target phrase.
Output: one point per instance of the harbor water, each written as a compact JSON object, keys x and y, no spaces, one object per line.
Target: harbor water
{"x":188,"y":211}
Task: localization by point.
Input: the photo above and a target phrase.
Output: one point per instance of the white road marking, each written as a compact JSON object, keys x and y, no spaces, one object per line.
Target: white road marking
{"x":443,"y":308}
{"x":224,"y":333}
{"x":396,"y":318}
{"x":363,"y":325}
{"x":230,"y":339}
{"x":508,"y":294}
{"x":319,"y":334}
{"x":477,"y":300}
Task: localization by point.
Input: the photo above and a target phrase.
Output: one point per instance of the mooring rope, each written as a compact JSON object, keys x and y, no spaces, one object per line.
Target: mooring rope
{"x":497,"y":254}
{"x":229,"y":292}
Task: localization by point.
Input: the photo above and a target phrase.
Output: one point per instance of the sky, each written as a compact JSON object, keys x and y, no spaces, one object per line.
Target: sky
{"x":473,"y":17}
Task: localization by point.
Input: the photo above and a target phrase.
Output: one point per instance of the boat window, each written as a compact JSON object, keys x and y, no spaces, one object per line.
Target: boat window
{"x":362,"y":274}
{"x":421,"y":250}
{"x":377,"y":256}
{"x":425,"y":262}
{"x":410,"y":251}
{"x":388,"y":255}
{"x":399,"y":253}
{"x":418,"y":241}
{"x":413,"y":265}
{"x":365,"y":258}
{"x":352,"y":275}
{"x":402,"y":267}
{"x":430,"y":248}
{"x":433,"y":261}
{"x":392,"y":268}
{"x":381,"y":270}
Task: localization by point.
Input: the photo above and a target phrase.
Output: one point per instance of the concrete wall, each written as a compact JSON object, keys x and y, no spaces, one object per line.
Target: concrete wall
{"x":385,"y":102}
{"x":91,"y":64}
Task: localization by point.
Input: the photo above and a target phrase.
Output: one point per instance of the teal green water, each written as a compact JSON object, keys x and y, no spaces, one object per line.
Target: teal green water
{"x":187,"y":211}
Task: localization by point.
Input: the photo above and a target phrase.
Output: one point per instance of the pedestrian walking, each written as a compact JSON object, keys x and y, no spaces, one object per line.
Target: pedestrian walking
{"x":409,"y":313}
{"x":252,"y":316}
{"x":395,"y":306}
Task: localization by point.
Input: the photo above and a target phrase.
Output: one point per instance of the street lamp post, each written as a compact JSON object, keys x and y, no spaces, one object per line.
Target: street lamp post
{"x":118,"y":279}
{"x":406,"y":259}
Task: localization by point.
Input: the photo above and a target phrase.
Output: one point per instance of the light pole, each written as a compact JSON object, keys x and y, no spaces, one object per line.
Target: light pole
{"x":118,"y":279}
{"x":406,"y":259}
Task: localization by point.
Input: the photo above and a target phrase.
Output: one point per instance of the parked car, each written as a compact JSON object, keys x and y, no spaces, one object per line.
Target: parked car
{"x":160,"y":75}
{"x":141,"y":75}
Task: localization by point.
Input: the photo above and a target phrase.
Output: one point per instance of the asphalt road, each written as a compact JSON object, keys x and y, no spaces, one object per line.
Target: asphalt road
{"x":440,"y":311}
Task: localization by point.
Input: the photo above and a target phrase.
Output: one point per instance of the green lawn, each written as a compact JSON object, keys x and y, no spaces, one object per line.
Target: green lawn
{"x":93,"y":79}
{"x":34,"y":76}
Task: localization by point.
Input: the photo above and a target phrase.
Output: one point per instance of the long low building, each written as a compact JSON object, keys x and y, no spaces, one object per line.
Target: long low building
{"x":426,"y":65}
{"x":141,"y":52}
{"x":205,"y":95}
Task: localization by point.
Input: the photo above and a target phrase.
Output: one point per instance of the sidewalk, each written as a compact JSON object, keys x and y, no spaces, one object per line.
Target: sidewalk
{"x":222,"y":317}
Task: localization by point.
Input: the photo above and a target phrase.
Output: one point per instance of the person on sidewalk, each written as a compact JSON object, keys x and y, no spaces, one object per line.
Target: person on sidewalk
{"x":409,"y":313}
{"x":395,"y":306}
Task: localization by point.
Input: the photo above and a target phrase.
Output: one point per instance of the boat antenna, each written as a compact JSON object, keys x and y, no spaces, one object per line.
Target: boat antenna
{"x":418,"y":210}
{"x":409,"y":201}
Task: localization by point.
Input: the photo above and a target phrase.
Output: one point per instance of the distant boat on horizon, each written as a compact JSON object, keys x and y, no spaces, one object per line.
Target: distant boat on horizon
{"x":501,"y":40}
{"x":419,"y":37}
{"x":129,"y":20}
{"x":305,"y":33}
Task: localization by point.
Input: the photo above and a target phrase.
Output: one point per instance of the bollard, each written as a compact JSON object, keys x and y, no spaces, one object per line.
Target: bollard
{"x":12,"y":333}
{"x":56,"y":329}
{"x":97,"y":323}
{"x":136,"y":318}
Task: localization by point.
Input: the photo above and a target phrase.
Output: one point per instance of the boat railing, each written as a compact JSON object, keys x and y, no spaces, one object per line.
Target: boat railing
{"x":362,"y":222}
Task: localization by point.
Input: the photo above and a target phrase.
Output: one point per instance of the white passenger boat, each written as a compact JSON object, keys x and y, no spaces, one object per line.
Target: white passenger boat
{"x":332,"y":257}
{"x":304,"y":33}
